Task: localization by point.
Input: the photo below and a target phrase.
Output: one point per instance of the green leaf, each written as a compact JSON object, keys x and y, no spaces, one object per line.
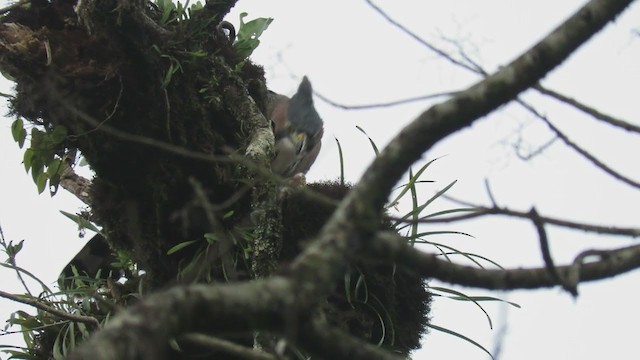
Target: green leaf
{"x":41,"y":182}
{"x":36,"y":168}
{"x":373,"y":144}
{"x":464,"y":296}
{"x":27,"y":158}
{"x":58,"y":134}
{"x":54,"y":183}
{"x":413,"y":180}
{"x":211,"y":238}
{"x":196,"y":7}
{"x":458,"y":335}
{"x":341,"y":161}
{"x":167,"y":7}
{"x":82,"y":222}
{"x":13,"y":250}
{"x":180,"y":246}
{"x":18,"y":132}
{"x":252,"y":29}
{"x":15,"y":128}
{"x":37,"y":139}
{"x":245,"y":48}
{"x":54,"y":167}
{"x":418,"y":209}
{"x":248,"y":35}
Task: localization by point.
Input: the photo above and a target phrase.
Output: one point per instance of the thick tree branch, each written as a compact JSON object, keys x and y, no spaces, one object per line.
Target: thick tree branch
{"x":143,"y":331}
{"x":226,"y":346}
{"x":609,"y":264}
{"x":259,"y":150}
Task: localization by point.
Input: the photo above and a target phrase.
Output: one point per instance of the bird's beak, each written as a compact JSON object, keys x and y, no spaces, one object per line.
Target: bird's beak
{"x":300,"y":139}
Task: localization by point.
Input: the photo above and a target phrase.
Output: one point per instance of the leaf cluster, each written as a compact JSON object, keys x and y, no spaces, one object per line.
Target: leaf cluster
{"x":43,"y":156}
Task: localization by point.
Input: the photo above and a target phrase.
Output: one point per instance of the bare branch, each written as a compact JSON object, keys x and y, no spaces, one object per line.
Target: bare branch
{"x":385,"y":104}
{"x":496,"y":210}
{"x":89,"y":320}
{"x":589,"y":110}
{"x":489,"y":193}
{"x":544,"y":248}
{"x":610,"y":263}
{"x":592,"y":159}
{"x":535,"y":152}
{"x":420,"y":40}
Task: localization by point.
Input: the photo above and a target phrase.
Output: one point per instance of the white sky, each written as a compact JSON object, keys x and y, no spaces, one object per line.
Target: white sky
{"x":353,"y":56}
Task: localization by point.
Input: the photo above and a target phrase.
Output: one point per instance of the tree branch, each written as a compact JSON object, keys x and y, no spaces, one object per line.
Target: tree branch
{"x":496,"y":210}
{"x":611,"y":263}
{"x":592,"y":159}
{"x":384,"y":104}
{"x":143,"y":331}
{"x":226,"y":346}
{"x":72,"y":182}
{"x":89,"y":320}
{"x":588,"y":110}
{"x":354,"y":220}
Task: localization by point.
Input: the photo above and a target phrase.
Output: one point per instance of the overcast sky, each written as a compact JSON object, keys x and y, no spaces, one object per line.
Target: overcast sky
{"x":354,"y":56}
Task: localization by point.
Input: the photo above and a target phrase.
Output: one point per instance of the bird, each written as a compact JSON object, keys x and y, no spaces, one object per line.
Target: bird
{"x":298,"y":130}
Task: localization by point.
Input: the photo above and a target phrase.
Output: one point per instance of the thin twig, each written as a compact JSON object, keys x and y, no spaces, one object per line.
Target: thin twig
{"x":589,"y":110}
{"x":420,"y":40}
{"x":544,"y":246}
{"x":384,"y":104}
{"x":592,"y":159}
{"x":496,"y":210}
{"x":536,"y":152}
{"x":489,"y":193}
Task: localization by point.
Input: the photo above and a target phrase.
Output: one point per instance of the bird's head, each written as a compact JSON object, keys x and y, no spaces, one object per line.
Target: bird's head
{"x":298,"y":130}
